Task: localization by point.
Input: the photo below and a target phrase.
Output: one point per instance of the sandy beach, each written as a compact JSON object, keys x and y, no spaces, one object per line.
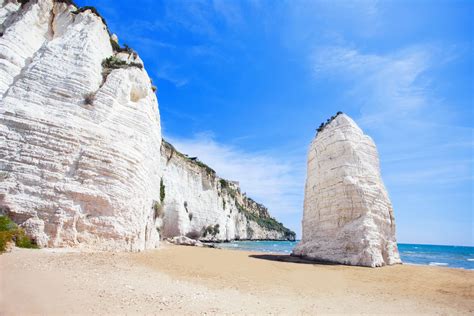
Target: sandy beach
{"x":189,"y":280}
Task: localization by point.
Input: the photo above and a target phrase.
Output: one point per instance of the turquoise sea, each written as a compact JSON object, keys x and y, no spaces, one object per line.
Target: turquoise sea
{"x":433,"y":255}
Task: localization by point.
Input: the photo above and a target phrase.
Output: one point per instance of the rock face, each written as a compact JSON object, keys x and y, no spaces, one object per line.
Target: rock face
{"x":201,"y":205}
{"x":79,"y":153}
{"x":348,"y":217}
{"x":80,"y":138}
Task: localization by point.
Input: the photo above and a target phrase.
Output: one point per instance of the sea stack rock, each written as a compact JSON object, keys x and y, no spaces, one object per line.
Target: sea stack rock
{"x":348,"y":217}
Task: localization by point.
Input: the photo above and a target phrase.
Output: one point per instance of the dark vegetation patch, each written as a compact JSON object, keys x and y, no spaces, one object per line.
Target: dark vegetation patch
{"x":89,"y":98}
{"x":269,"y":223}
{"x":328,"y":121}
{"x":162,"y":191}
{"x":10,"y":232}
{"x":125,"y":49}
{"x":225,"y":186}
{"x":113,"y":62}
{"x":224,"y":183}
{"x":153,"y":87}
{"x":115,"y":46}
{"x":210,"y":230}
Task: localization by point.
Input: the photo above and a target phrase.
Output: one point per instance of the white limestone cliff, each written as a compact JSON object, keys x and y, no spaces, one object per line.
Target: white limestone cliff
{"x":348,"y":217}
{"x":80,"y":137}
{"x":196,"y":199}
{"x":79,"y":151}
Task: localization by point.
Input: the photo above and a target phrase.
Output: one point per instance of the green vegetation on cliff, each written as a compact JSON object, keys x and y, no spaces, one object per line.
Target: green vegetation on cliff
{"x":269,"y":223}
{"x":10,"y":232}
{"x":259,"y":216}
{"x":193,"y":160}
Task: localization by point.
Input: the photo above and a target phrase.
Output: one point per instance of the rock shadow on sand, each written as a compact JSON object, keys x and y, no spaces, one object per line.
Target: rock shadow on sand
{"x":291,"y":259}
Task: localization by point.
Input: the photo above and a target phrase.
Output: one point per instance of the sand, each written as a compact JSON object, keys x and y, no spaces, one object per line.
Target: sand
{"x":182,"y":280}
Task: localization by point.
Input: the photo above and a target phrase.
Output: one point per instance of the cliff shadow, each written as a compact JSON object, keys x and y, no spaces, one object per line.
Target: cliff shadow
{"x":290,"y":259}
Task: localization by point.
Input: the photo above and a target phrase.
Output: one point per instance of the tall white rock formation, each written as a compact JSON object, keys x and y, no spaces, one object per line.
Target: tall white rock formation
{"x":348,"y":217}
{"x":81,"y":159}
{"x":79,"y":144}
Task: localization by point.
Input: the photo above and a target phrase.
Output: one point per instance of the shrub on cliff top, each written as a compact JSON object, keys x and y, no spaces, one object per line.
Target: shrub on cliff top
{"x":328,"y":121}
{"x":224,"y":183}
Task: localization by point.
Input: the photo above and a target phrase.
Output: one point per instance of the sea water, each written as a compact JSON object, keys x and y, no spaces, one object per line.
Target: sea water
{"x":433,"y":255}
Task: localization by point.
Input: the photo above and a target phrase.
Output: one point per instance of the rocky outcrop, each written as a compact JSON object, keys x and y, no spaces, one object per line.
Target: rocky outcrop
{"x":197,"y":203}
{"x":185,"y":241}
{"x":348,"y":217}
{"x":80,"y":139}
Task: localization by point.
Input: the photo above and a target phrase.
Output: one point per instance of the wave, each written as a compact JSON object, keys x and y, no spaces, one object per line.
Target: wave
{"x":438,"y":264}
{"x":470,"y":259}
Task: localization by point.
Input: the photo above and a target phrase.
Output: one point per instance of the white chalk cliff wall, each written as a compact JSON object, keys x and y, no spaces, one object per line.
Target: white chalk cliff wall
{"x":80,"y":136}
{"x":199,"y":204}
{"x":348,"y":217}
{"x":79,"y":148}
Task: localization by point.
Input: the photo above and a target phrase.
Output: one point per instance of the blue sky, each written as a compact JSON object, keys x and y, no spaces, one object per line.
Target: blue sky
{"x":243,"y":85}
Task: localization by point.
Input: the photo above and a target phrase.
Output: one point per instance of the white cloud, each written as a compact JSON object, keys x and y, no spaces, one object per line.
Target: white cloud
{"x":277,"y":181}
{"x":398,"y":104}
{"x":383,"y":86}
{"x":170,"y":73}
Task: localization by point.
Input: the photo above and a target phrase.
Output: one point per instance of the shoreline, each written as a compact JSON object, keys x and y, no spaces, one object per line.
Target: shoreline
{"x":402,"y":254}
{"x":239,"y":240}
{"x":194,"y":280}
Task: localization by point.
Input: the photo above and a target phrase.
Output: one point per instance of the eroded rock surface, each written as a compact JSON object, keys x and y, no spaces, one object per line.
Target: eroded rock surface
{"x":79,"y":149}
{"x":348,"y":217}
{"x":203,"y":206}
{"x":81,"y":161}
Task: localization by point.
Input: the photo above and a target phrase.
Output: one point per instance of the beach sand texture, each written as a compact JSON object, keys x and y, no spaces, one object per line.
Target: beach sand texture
{"x":189,"y":280}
